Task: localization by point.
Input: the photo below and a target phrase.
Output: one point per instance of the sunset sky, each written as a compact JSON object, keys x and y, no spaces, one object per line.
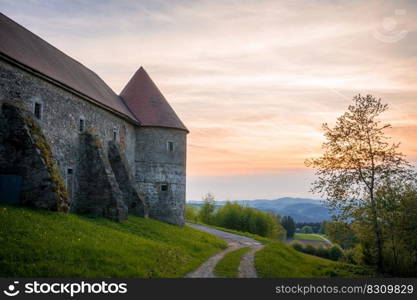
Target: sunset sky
{"x":252,"y":80}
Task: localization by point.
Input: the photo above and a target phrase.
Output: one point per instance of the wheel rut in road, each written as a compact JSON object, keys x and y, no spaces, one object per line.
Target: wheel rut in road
{"x":234,"y":241}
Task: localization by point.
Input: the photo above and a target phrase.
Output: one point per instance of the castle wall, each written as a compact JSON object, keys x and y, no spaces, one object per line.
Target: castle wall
{"x":61,"y":113}
{"x":160,"y":173}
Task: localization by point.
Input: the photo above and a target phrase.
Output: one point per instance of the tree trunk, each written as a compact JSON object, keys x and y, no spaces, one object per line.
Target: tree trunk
{"x":378,"y":235}
{"x":394,"y":251}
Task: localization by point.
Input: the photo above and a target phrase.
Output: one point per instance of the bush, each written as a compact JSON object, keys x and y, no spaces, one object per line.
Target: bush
{"x":298,"y":246}
{"x":306,"y":229}
{"x":309,"y":249}
{"x":322,"y":252}
{"x":206,"y":213}
{"x":192,"y":214}
{"x":335,"y":253}
{"x":237,"y":217}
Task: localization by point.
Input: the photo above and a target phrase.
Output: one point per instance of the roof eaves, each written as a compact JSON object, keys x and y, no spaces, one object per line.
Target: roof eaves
{"x":68,"y":88}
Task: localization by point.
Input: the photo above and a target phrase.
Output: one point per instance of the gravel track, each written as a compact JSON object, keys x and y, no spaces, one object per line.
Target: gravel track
{"x":234,"y":242}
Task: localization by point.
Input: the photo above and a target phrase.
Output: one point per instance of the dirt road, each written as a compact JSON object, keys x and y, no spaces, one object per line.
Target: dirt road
{"x":234,"y":241}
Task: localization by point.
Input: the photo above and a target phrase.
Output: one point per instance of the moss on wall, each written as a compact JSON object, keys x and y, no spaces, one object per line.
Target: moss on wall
{"x":45,"y":153}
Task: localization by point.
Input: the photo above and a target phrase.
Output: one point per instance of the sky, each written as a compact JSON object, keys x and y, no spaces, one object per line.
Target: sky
{"x":252,"y":80}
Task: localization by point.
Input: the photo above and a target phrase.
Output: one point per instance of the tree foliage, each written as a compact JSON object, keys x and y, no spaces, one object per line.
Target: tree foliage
{"x":334,"y":252}
{"x":246,"y":219}
{"x":306,"y":229}
{"x":238,"y":217}
{"x":397,"y":206}
{"x":358,"y":162}
{"x":192,"y":213}
{"x":341,"y":233}
{"x":207,"y":210}
{"x":289,"y":225}
{"x":357,"y":157}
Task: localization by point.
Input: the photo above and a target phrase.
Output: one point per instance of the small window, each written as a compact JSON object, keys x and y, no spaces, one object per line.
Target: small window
{"x":37,"y":110}
{"x":164,"y":187}
{"x":69,"y":171}
{"x":114,"y":135}
{"x":82,"y":125}
{"x":170,"y":146}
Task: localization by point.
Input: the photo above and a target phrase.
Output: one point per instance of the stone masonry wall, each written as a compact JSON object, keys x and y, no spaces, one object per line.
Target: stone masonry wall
{"x":61,"y":112}
{"x":99,"y":193}
{"x":134,"y":200}
{"x":24,"y":152}
{"x":158,"y":172}
{"x":156,"y":167}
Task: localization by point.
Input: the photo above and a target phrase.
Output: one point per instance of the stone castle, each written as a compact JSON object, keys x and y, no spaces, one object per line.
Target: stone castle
{"x":69,"y":143}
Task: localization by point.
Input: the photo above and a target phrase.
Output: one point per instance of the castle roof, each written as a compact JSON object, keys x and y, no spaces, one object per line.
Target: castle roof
{"x":22,"y":47}
{"x":148,"y":104}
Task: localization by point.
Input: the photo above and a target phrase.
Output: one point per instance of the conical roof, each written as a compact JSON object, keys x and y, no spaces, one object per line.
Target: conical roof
{"x":147,"y":103}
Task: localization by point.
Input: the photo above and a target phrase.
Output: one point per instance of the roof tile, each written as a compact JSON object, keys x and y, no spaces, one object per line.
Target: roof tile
{"x":30,"y":50}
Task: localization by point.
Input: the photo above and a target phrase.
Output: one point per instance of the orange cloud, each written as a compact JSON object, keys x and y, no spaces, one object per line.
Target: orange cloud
{"x":253,"y":80}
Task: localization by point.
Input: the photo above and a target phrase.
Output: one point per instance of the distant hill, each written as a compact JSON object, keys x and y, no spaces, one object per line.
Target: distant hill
{"x":300,"y":209}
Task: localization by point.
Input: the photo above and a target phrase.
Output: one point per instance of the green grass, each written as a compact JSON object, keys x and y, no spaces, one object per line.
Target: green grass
{"x":278,"y":260}
{"x":38,"y":243}
{"x":308,"y":237}
{"x":228,"y":266}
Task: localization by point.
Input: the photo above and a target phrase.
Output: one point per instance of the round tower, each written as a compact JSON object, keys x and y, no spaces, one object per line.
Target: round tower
{"x":161,"y":147}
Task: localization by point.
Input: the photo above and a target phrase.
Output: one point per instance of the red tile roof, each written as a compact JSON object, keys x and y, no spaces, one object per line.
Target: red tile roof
{"x":28,"y":49}
{"x":148,"y":104}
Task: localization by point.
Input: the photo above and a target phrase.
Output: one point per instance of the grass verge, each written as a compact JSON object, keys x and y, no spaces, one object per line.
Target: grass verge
{"x":38,"y":243}
{"x":308,"y":237}
{"x":278,"y":260}
{"x":228,"y":266}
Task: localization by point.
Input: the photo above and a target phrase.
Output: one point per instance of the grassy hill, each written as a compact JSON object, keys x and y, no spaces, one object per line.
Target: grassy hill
{"x":279,"y":260}
{"x":38,"y":243}
{"x":308,"y":237}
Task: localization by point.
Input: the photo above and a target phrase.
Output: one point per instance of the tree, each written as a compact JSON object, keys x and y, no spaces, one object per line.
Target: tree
{"x":307,"y":229}
{"x":342,"y":234}
{"x":323,"y":226}
{"x":246,"y":219}
{"x":357,"y":160}
{"x":289,"y":225}
{"x":207,"y":210}
{"x":398,"y":206}
{"x":191,"y":213}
